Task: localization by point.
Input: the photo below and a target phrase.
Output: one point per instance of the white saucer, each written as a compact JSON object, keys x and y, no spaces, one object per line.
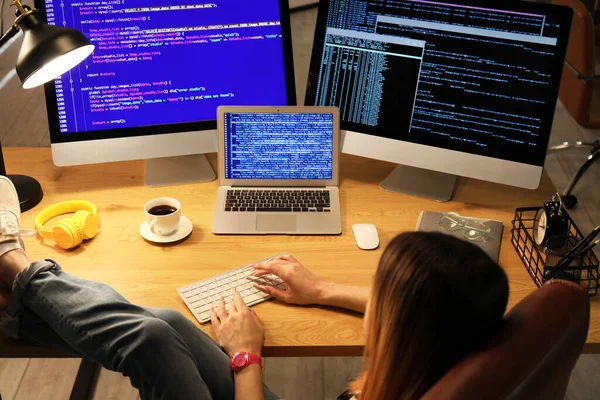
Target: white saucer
{"x":183,"y":231}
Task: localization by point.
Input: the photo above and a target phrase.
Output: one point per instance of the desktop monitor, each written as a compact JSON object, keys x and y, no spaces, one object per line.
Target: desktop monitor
{"x":152,"y":87}
{"x":443,"y":88}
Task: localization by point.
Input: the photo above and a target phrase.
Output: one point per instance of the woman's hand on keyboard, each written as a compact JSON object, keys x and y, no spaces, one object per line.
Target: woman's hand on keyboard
{"x":302,"y":286}
{"x":240,"y":329}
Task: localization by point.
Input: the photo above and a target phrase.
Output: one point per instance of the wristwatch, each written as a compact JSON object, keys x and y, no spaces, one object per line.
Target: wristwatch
{"x":243,"y":359}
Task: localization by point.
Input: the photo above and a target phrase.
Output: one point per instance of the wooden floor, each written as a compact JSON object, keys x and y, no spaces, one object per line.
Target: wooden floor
{"x":23,"y":123}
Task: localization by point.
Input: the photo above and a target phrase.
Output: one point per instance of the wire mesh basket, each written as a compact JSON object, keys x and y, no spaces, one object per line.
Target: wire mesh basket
{"x":533,"y":256}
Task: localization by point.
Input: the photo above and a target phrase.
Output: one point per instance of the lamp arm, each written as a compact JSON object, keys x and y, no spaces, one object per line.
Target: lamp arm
{"x":9,"y":35}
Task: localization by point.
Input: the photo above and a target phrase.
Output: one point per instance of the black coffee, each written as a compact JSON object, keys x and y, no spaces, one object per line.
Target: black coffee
{"x":162,"y":210}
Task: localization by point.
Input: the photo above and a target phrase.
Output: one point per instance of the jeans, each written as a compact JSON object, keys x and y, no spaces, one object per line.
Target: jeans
{"x":164,"y":355}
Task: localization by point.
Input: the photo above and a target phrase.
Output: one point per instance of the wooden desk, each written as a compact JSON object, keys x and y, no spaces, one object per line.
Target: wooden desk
{"x":148,"y":274}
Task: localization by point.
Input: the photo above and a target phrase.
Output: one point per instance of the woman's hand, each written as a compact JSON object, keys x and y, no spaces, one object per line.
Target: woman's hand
{"x":302,"y":286}
{"x":241,"y":330}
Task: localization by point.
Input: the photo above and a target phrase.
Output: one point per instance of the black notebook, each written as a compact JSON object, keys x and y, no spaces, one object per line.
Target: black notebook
{"x":431,"y":221}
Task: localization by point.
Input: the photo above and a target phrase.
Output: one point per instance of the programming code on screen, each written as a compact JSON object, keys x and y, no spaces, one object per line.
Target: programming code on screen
{"x":445,"y":75}
{"x":163,"y":61}
{"x":278,"y":146}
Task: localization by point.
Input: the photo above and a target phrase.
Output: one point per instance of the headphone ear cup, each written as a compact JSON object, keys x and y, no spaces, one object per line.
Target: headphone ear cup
{"x":67,"y":234}
{"x":88,"y":223}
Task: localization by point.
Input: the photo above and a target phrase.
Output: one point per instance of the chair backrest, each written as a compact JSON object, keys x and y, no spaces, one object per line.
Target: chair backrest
{"x":532,"y":357}
{"x":581,"y":51}
{"x":576,"y":94}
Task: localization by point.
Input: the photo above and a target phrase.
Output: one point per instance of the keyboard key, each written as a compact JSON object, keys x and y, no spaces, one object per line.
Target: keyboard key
{"x":256,"y":296}
{"x":193,"y":299}
{"x":213,"y":299}
{"x":204,"y":308}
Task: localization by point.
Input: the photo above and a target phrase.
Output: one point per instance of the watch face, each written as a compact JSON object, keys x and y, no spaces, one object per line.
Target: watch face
{"x":539,"y":226}
{"x":239,"y":360}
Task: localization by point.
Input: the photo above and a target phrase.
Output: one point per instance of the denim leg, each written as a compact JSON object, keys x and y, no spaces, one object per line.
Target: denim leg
{"x":213,"y":362}
{"x":34,"y":330}
{"x":102,"y":326}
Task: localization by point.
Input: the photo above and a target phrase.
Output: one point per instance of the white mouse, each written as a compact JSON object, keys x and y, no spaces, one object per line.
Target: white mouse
{"x":366,"y":236}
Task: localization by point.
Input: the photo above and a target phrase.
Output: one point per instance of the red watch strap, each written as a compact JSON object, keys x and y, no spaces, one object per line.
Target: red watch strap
{"x":242,"y":359}
{"x":254,"y":359}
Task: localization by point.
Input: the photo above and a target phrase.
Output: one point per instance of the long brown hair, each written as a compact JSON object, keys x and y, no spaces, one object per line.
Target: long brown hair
{"x":434,"y":299}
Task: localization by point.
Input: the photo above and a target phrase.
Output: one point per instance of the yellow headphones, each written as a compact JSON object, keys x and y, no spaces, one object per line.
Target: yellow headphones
{"x":69,"y":232}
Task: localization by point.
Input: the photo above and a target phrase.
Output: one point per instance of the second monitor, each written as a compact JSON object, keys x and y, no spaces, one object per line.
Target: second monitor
{"x":451,"y":87}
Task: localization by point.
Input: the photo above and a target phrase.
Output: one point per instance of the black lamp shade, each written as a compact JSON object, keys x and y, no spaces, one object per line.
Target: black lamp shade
{"x":48,"y":51}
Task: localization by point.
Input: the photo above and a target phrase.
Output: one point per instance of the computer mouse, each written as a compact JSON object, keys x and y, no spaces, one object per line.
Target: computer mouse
{"x":366,"y":236}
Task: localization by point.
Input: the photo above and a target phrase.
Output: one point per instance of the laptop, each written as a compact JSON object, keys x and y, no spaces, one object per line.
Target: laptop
{"x":278,"y":171}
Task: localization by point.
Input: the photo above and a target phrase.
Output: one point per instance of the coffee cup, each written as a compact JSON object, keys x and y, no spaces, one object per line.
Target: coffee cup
{"x":163,"y":215}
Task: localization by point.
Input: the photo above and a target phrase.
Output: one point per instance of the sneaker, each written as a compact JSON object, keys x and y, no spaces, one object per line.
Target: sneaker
{"x":10,"y":214}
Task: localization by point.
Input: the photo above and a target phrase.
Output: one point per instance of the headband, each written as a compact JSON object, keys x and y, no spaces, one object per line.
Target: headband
{"x":55,"y":210}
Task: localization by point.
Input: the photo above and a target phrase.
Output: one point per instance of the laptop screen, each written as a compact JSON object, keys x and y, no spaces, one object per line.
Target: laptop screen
{"x":278,"y":146}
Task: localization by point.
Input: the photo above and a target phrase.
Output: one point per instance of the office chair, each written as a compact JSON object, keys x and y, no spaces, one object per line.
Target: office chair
{"x":532,"y":357}
{"x":580,"y":88}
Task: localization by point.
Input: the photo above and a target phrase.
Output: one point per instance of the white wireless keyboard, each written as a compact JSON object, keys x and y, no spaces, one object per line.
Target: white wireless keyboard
{"x":200,"y":296}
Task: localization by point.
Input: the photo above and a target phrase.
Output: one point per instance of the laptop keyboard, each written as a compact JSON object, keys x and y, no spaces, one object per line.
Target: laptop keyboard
{"x":271,"y":200}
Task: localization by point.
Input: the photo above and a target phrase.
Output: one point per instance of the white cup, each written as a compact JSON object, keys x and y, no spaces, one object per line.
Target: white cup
{"x":161,"y":220}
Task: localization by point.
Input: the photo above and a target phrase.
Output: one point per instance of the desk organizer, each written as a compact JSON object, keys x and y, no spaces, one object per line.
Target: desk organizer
{"x":533,"y":256}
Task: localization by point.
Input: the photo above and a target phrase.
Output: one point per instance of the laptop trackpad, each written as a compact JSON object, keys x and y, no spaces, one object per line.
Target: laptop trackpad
{"x":276,"y":223}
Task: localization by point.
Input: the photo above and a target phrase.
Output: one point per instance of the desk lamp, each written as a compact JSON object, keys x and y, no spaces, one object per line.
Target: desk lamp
{"x":46,"y":53}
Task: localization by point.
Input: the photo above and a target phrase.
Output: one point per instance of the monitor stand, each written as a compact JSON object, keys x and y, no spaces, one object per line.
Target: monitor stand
{"x":420,"y":182}
{"x":178,"y":170}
